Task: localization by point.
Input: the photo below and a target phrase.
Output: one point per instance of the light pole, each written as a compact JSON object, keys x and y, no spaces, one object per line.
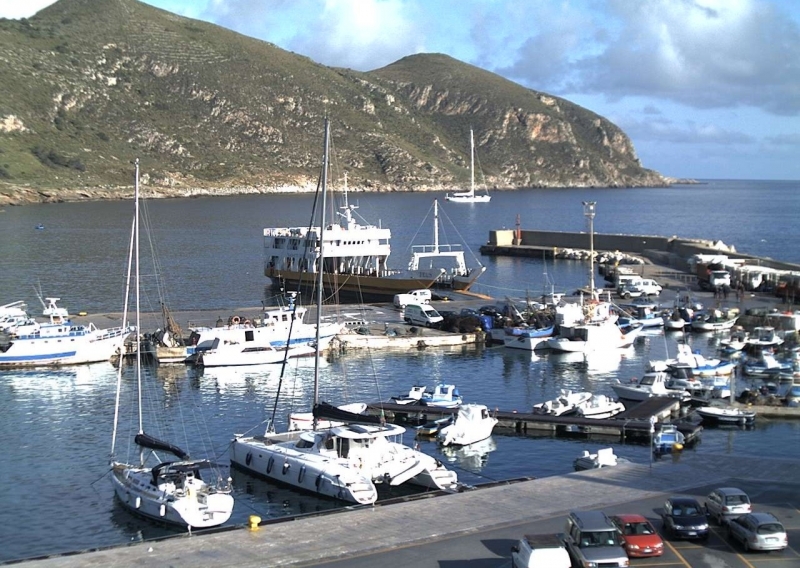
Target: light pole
{"x":588,"y":212}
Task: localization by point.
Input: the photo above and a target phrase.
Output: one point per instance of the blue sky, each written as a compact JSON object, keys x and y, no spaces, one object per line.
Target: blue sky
{"x":704,"y":88}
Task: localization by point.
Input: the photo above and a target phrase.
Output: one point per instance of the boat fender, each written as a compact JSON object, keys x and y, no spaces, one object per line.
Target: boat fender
{"x":163,"y":510}
{"x":138,"y":502}
{"x":235,"y":320}
{"x":249,"y":458}
{"x":270,"y":463}
{"x":318,"y":482}
{"x":286,"y":467}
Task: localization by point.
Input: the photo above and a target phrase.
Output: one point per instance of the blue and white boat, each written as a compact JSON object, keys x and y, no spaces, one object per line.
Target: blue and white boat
{"x":668,"y":439}
{"x":529,"y":338}
{"x":58,"y":341}
{"x":443,"y":395}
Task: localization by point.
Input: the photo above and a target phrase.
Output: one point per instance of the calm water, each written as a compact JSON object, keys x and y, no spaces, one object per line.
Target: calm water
{"x":57,"y":424}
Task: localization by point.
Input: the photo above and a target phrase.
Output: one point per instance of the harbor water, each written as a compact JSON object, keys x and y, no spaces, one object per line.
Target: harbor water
{"x":55,"y":492}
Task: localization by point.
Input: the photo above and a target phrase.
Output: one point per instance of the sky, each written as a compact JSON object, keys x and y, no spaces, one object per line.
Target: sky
{"x":705,"y":89}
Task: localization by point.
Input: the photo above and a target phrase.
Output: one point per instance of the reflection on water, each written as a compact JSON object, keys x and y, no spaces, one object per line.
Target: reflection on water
{"x":473,"y":457}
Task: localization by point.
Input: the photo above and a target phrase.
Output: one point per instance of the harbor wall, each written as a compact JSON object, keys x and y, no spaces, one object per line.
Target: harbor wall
{"x":668,"y":251}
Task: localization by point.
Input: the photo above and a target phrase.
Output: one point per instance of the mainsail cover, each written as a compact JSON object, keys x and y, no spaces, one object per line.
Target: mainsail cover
{"x":326,"y":411}
{"x":147,"y":441}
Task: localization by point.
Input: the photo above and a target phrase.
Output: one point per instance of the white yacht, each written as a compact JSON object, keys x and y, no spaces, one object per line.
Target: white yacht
{"x":470,"y":196}
{"x":472,"y":424}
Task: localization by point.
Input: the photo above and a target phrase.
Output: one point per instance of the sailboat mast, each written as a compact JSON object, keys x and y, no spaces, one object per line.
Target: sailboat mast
{"x":436,"y":226}
{"x":124,"y":326}
{"x":321,"y":260}
{"x":138,"y":322}
{"x":471,"y":163}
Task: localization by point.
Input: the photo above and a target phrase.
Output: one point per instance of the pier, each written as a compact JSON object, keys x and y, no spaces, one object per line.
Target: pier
{"x":632,"y":425}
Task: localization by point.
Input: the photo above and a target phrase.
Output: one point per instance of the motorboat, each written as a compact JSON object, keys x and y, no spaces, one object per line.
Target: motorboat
{"x":646,"y":315}
{"x":443,"y":395}
{"x":472,"y":424}
{"x":593,"y":337}
{"x":528,"y":339}
{"x":762,"y":336}
{"x":735,"y":342}
{"x":678,"y":319}
{"x":56,"y":342}
{"x":604,"y":457}
{"x":432,"y":427}
{"x":185,"y":492}
{"x":343,"y":462}
{"x":726,"y":415}
{"x":701,"y":367}
{"x":600,"y":406}
{"x":242,"y":341}
{"x":767,"y":366}
{"x":667,"y":439}
{"x":715,"y":320}
{"x":469,"y":196}
{"x":226,"y":354}
{"x":414,"y":396}
{"x":652,"y":383}
{"x":567,"y":402}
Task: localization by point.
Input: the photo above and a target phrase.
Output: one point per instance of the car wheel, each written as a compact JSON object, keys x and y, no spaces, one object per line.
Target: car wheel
{"x":627,"y":295}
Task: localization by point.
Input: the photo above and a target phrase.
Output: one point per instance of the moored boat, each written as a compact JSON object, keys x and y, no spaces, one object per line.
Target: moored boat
{"x":726,"y":415}
{"x":472,"y":424}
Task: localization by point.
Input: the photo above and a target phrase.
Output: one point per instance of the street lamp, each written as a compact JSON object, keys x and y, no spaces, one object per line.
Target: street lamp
{"x":588,"y":212}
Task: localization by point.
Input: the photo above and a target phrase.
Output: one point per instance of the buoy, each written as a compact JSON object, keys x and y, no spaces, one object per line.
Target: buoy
{"x":254,"y":521}
{"x":677,"y":446}
{"x":82,"y":314}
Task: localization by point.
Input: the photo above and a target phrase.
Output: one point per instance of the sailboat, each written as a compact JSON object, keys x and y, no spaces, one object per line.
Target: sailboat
{"x":172,"y":492}
{"x":346,"y":460}
{"x":469,"y":196}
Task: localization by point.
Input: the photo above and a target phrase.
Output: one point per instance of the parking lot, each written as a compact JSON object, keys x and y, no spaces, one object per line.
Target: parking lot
{"x":492,"y":549}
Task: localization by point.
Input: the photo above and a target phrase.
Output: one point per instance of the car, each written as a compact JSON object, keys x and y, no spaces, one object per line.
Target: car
{"x":684,"y":517}
{"x":639,"y":537}
{"x":592,"y":539}
{"x":758,"y":531}
{"x":535,"y":550}
{"x":641,"y":288}
{"x":726,"y":503}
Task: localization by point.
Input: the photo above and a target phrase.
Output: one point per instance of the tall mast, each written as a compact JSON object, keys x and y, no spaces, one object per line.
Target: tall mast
{"x":321,"y":261}
{"x":471,"y":163}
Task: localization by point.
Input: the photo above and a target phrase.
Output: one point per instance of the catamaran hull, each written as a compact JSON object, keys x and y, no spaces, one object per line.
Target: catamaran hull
{"x":314,"y":474}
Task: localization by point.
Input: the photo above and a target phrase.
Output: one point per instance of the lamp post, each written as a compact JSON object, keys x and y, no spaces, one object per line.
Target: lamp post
{"x":588,"y":212}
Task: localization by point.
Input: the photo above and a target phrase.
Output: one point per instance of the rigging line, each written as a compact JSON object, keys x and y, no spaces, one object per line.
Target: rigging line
{"x":443,"y":213}
{"x":419,"y":228}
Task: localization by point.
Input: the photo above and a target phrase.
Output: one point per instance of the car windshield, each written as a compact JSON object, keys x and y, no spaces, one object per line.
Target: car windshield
{"x":637,"y":528}
{"x":770,"y":528}
{"x":685,"y":511}
{"x":599,"y":538}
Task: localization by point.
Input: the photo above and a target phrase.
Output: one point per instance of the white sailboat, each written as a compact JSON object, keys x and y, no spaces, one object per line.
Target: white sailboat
{"x":177,"y":492}
{"x":344,"y":461}
{"x":469,"y":196}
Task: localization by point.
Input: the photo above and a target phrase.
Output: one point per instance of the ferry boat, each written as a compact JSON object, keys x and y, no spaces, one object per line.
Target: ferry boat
{"x":356,"y":257}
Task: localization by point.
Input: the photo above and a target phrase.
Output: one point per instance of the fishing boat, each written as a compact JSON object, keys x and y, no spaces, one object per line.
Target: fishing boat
{"x":443,"y":396}
{"x":469,"y":196}
{"x":652,"y":383}
{"x":179,"y":492}
{"x":56,"y":342}
{"x":346,"y":461}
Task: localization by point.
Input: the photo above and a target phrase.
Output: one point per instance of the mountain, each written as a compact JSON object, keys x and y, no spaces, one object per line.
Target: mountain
{"x":86,"y":86}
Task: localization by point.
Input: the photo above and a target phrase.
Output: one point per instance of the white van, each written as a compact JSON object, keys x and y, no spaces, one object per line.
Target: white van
{"x":422,"y":296}
{"x":540,"y":551}
{"x":422,"y":314}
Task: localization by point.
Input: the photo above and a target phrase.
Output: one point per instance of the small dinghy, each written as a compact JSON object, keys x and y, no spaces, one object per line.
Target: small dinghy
{"x":668,"y":439}
{"x":726,"y":415}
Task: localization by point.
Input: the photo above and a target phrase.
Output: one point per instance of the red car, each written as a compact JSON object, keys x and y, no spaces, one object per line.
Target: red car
{"x":639,"y":537}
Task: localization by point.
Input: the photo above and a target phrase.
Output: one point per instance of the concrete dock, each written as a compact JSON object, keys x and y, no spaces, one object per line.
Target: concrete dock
{"x":394,"y":531}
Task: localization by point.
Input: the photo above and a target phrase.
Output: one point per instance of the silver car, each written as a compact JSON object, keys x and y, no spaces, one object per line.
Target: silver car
{"x":758,"y":531}
{"x":726,"y":503}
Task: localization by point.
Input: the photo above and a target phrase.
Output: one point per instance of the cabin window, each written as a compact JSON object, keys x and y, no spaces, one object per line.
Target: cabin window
{"x":304,"y":444}
{"x":249,"y":335}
